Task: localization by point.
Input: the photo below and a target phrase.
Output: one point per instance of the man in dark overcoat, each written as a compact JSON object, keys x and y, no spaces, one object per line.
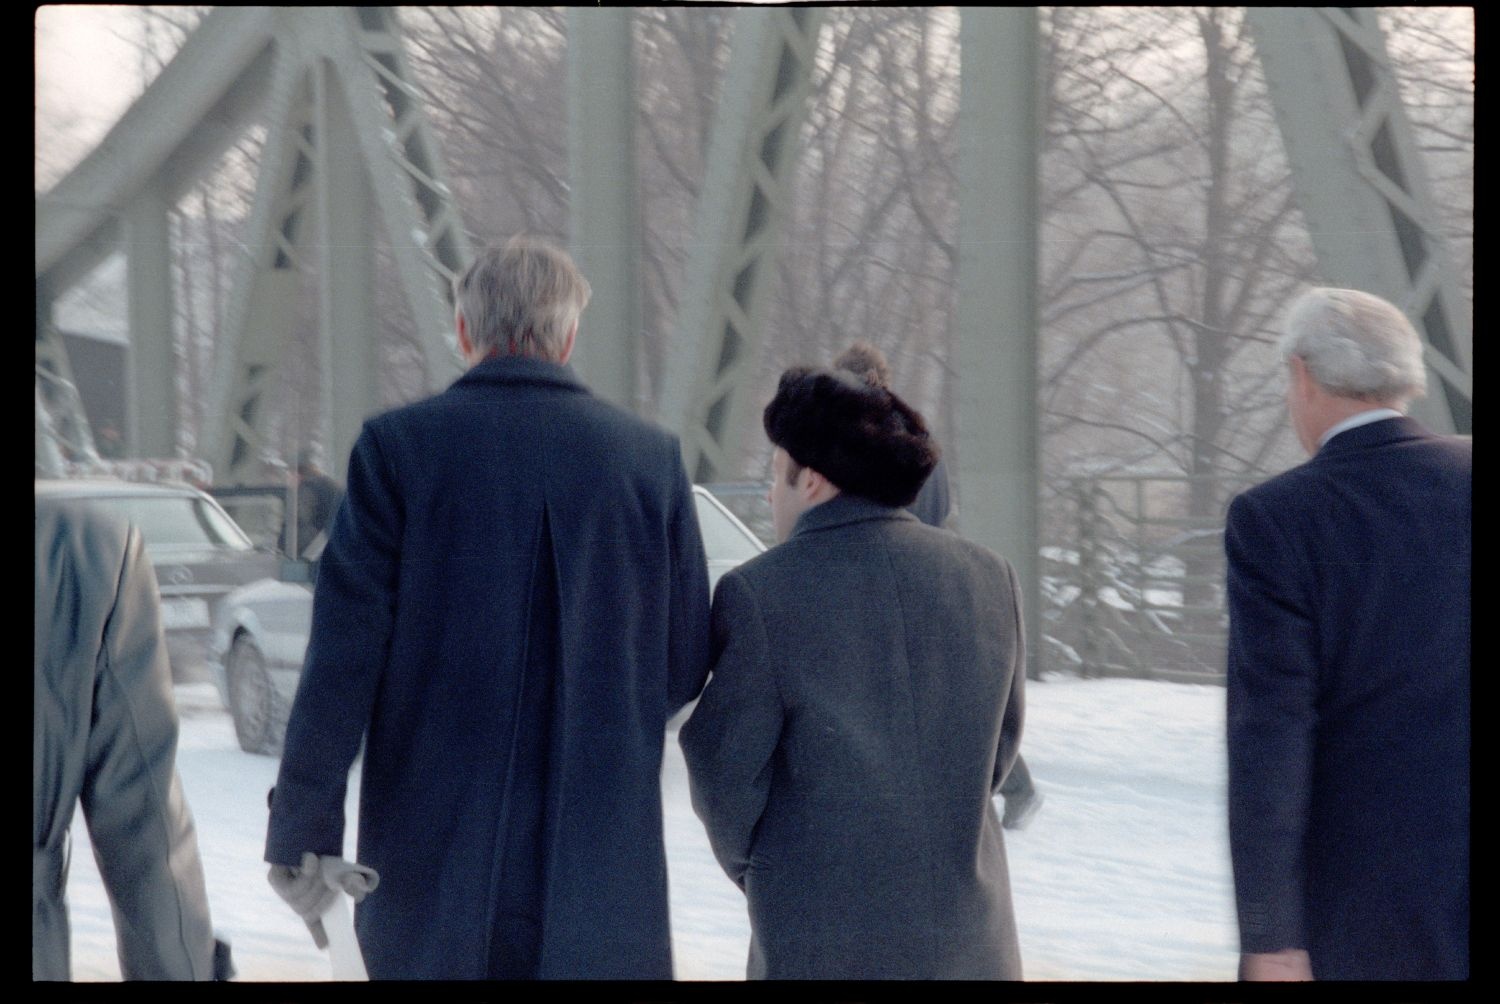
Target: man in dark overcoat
{"x":864,"y":708}
{"x":512,"y":602}
{"x":1348,"y":696}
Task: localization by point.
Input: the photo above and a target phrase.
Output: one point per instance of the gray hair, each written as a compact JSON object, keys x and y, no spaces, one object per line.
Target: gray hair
{"x":1355,"y":345}
{"x":521,"y":299}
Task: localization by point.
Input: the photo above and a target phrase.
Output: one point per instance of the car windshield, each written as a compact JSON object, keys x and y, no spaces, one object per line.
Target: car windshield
{"x":722,"y":539}
{"x":169,"y":521}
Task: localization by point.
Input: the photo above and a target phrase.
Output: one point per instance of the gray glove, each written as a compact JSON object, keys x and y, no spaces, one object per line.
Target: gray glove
{"x":311,"y":888}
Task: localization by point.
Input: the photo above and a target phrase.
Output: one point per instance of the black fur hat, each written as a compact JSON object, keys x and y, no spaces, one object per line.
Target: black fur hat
{"x":863,"y":438}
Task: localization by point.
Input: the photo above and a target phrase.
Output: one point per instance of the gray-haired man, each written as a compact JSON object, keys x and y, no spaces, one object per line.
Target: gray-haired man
{"x":1348,"y":690}
{"x":512,"y":602}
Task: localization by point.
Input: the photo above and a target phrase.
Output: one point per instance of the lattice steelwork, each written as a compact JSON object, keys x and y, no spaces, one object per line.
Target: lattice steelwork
{"x":1361,"y":183}
{"x":752,"y":154}
{"x":422,"y":220}
{"x":262,"y":307}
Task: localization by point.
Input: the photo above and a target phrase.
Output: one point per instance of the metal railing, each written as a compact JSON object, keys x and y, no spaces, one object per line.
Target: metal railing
{"x":1133,"y":581}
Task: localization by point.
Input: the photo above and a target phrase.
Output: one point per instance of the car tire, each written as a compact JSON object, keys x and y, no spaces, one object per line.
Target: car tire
{"x":258,"y":709}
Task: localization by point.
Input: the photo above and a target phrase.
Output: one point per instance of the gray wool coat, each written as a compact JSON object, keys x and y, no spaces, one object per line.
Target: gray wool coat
{"x":864,"y":707}
{"x":105,"y":734}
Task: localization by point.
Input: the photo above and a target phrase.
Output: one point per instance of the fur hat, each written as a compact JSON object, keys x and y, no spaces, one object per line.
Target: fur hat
{"x":861,"y":437}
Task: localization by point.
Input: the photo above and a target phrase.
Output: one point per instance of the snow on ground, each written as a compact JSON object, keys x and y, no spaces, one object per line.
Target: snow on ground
{"x":1122,"y":875}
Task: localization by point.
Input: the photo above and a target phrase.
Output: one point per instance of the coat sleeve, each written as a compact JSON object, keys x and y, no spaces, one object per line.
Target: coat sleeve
{"x":1015,"y":705}
{"x":1271,"y":695}
{"x":732,"y":735}
{"x":687,"y":631}
{"x":354,"y":608}
{"x":132,"y":799}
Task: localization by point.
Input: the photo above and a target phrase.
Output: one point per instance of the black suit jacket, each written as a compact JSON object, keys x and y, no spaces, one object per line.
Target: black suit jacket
{"x":1348,"y":705}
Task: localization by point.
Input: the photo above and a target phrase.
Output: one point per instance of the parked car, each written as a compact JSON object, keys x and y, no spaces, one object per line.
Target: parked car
{"x":260,"y":631}
{"x":198,"y":552}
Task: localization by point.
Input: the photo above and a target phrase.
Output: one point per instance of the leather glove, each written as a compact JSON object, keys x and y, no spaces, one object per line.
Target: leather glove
{"x":312,"y":888}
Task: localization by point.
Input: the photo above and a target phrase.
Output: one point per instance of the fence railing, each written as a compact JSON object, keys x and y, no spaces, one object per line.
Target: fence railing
{"x":1133,"y":577}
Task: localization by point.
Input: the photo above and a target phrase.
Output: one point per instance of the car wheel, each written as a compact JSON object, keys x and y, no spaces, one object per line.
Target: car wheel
{"x":259,"y":711}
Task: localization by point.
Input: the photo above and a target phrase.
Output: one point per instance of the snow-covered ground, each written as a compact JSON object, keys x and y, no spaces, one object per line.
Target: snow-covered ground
{"x":1122,"y":875}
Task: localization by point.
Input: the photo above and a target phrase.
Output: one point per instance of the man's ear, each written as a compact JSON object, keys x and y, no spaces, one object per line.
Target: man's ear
{"x":810,"y":483}
{"x":465,"y":347}
{"x":568,"y":342}
{"x":1301,"y":377}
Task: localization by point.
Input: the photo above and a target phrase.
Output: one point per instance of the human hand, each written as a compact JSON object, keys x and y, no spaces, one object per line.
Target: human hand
{"x":1288,"y":964}
{"x":305,"y":892}
{"x":312,"y":887}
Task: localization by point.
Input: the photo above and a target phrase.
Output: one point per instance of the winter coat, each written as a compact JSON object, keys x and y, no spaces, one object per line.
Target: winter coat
{"x":1348,"y":705}
{"x":105,"y":734}
{"x":864,"y":707}
{"x":512,"y":602}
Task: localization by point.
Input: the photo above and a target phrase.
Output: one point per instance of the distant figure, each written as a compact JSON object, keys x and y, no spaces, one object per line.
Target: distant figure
{"x":512,"y":603}
{"x":1349,"y":635}
{"x":318,"y":497}
{"x":105,"y":735}
{"x":109,"y":443}
{"x":865,"y":703}
{"x":931,"y":506}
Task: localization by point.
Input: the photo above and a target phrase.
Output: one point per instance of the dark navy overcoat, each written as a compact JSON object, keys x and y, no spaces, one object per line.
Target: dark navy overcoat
{"x":1349,"y":705}
{"x":512,"y":602}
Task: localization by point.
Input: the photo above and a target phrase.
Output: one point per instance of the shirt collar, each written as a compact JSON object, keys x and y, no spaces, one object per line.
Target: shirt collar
{"x":1355,"y":421}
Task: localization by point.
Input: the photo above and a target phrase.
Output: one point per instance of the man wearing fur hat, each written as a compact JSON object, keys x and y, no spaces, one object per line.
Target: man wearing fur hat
{"x":864,"y":707}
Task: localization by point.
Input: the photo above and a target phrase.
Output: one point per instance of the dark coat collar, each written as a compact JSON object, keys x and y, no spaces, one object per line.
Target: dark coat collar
{"x":521,"y":370}
{"x":845,"y":508}
{"x":1386,"y":430}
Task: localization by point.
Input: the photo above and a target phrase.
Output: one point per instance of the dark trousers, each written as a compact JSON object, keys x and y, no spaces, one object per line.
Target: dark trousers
{"x":1018,"y":781}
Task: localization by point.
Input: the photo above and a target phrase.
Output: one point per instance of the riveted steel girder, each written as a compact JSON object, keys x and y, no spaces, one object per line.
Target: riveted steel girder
{"x":998,"y":462}
{"x":262,"y":307}
{"x":312,"y":58}
{"x":1362,"y":185}
{"x":603,"y":201}
{"x":751,"y":157}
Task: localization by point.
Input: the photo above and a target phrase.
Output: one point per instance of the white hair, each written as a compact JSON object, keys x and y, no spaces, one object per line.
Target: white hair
{"x":1355,"y":345}
{"x":521,"y":299}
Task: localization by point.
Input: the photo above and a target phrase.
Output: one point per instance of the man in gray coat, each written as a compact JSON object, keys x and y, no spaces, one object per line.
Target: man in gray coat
{"x":105,"y":733}
{"x":864,"y":707}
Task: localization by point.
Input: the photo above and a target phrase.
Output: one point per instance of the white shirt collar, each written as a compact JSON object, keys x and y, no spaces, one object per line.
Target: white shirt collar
{"x":1355,"y":421}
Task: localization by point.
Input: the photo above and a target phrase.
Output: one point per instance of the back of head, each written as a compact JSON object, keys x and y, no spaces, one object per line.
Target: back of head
{"x":1356,"y":345}
{"x":865,"y":360}
{"x":858,"y":435}
{"x":522,"y":299}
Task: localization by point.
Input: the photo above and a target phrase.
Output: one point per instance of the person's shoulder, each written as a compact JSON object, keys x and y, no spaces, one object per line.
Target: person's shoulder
{"x":627,"y":423}
{"x":1294,"y":486}
{"x":785,"y":571}
{"x":80,"y":520}
{"x":944,"y":544}
{"x":1457,"y":449}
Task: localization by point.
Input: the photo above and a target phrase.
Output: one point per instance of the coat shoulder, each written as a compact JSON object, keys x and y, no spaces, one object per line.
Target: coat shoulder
{"x":581,"y":412}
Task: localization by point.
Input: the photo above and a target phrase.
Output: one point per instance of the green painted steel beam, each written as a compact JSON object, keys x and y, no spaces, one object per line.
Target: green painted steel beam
{"x":604,"y":206}
{"x":151,"y":405}
{"x":349,"y":356}
{"x":752,"y":155}
{"x":1362,"y":186}
{"x":998,"y":466}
